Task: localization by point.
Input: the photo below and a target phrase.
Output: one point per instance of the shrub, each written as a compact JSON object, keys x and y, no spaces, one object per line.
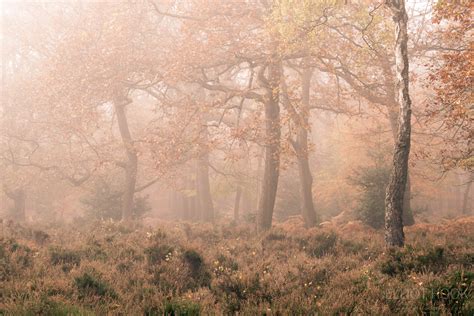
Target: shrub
{"x":235,"y":291}
{"x":198,"y":272}
{"x":434,"y":261}
{"x":156,"y":254}
{"x":352,"y":247}
{"x":372,"y":181}
{"x":14,"y":257}
{"x":224,"y":265}
{"x":62,"y":256}
{"x":145,"y":295}
{"x":46,"y":306}
{"x":401,"y":262}
{"x":151,"y":310}
{"x":193,"y":259}
{"x":467,"y":260}
{"x":23,"y":255}
{"x":452,"y":295}
{"x":275,"y":236}
{"x":90,"y":285}
{"x":319,"y":245}
{"x":181,"y":308}
{"x":67,"y":258}
{"x":106,"y":203}
{"x":287,"y":281}
{"x":124,"y":266}
{"x":164,"y":280}
{"x":5,"y":266}
{"x":395,"y":264}
{"x":40,"y":237}
{"x":94,"y":250}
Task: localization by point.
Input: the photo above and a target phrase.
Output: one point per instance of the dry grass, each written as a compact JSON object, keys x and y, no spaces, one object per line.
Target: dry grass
{"x":190,"y":269}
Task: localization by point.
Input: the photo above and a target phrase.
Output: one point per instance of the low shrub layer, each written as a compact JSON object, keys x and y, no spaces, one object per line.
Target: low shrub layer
{"x":198,"y":269}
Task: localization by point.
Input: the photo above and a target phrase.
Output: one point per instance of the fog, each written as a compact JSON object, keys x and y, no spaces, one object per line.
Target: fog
{"x":229,"y":140}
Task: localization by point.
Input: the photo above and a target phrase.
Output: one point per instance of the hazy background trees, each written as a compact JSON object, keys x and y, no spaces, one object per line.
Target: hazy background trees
{"x":245,"y":111}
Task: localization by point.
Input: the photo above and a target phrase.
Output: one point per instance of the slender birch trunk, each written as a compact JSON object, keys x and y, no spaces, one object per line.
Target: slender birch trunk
{"x":394,"y":236}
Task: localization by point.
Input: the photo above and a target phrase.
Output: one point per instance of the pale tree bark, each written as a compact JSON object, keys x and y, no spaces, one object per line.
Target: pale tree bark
{"x":131,"y":166}
{"x":407,"y":214}
{"x":271,"y":171}
{"x":394,"y":235}
{"x":302,"y":152}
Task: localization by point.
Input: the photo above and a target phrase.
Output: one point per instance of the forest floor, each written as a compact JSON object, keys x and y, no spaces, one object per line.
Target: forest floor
{"x":191,"y":269}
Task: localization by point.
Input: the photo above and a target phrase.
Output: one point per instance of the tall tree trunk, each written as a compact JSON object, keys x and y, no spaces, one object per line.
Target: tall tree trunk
{"x":131,"y":165}
{"x":189,"y":198}
{"x":180,"y":198}
{"x":183,"y":206}
{"x":407,"y":214}
{"x":302,"y":151}
{"x":465,"y":201}
{"x":394,"y":236}
{"x":186,"y":207}
{"x":272,"y":148}
{"x":246,"y":206}
{"x":193,"y":204}
{"x":243,"y":191}
{"x":173,"y":202}
{"x":20,"y":205}
{"x":204,"y":195}
{"x":204,"y":189}
{"x":238,"y":195}
{"x":258,"y":184}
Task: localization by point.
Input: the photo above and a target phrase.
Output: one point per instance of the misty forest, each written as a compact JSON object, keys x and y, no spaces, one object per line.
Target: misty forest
{"x":236,"y":157}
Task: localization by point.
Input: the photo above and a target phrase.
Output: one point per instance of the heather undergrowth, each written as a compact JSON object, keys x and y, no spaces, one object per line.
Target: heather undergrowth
{"x":193,"y":269}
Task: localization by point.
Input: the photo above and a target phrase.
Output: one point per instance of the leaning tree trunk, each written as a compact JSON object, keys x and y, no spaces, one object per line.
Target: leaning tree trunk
{"x":272,"y":148}
{"x":131,"y":165}
{"x":394,"y":235}
{"x":302,"y":151}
